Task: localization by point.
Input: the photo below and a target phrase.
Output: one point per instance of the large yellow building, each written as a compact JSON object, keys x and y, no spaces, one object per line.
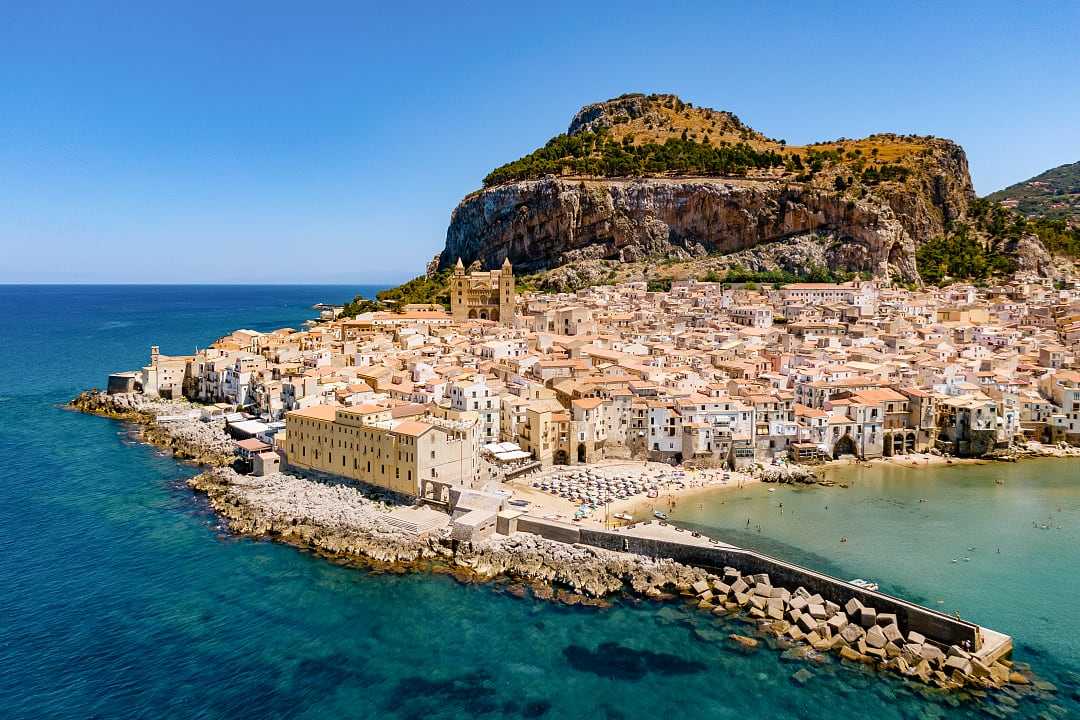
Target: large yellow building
{"x":366,"y":443}
{"x":483,"y":295}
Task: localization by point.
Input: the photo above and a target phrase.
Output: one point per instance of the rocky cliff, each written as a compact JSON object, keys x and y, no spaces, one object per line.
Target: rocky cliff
{"x":870,"y":202}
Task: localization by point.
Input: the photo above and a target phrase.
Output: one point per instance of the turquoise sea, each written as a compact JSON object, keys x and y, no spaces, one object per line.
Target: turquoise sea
{"x":123,"y":598}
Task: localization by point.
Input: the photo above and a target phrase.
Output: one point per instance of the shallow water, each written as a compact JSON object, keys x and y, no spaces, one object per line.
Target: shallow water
{"x":124,"y":599}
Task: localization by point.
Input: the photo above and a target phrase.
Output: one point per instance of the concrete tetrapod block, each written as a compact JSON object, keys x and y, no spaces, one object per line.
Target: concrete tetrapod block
{"x":798,"y":603}
{"x":852,"y":607}
{"x":782,"y":593}
{"x":915,"y":638}
{"x":762,"y":579}
{"x":831,"y":608}
{"x":818,"y":612}
{"x":763,"y":590}
{"x":815,"y":599}
{"x":911,"y":654}
{"x":956,"y":650}
{"x":807,"y":623}
{"x":931,"y":653}
{"x":850,"y":654}
{"x":956,"y":663}
{"x":721,"y":588}
{"x":875,"y":638}
{"x":739,"y":586}
{"x":852,"y":633}
{"x":884,"y":619}
{"x":838,"y":622}
{"x":700,"y":587}
{"x":801,"y":592}
{"x":758,"y":602}
{"x":892,"y":633}
{"x":867,"y":617}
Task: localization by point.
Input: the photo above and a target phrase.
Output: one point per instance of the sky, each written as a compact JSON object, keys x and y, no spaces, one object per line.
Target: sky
{"x":330,"y":141}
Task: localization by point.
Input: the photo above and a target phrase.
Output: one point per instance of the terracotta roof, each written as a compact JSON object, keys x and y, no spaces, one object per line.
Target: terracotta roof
{"x":412,"y":428}
{"x":315,"y":412}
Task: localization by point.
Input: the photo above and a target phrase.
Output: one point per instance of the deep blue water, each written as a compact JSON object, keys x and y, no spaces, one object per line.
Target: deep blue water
{"x":122,"y":598}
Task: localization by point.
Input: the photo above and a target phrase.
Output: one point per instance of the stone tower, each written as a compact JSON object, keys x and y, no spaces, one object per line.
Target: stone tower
{"x":507,"y":296}
{"x":459,"y":306}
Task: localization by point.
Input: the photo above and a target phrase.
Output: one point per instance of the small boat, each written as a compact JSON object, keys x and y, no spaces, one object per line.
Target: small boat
{"x":623,"y":516}
{"x":659,"y":515}
{"x":864,"y":584}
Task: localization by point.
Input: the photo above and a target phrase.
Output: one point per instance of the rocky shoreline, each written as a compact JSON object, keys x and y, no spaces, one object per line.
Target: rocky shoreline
{"x":172,"y":425}
{"x":350,"y":524}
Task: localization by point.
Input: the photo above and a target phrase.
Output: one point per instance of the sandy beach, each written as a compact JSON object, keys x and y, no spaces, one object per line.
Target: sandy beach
{"x":673,"y":486}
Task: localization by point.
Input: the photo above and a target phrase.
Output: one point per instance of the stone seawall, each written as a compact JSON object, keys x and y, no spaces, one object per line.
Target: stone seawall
{"x":940,"y":628}
{"x":936,"y":626}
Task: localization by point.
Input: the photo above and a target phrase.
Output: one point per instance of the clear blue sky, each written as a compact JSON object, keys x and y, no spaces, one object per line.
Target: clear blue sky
{"x":324,"y":142}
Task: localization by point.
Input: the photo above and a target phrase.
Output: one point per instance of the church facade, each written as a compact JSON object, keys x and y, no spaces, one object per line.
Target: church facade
{"x":483,"y":295}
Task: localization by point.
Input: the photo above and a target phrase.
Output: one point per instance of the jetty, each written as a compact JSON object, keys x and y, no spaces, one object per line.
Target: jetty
{"x":804,"y":604}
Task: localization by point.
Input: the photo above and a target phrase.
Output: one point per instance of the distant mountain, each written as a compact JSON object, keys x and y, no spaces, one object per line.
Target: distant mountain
{"x":1052,"y":194}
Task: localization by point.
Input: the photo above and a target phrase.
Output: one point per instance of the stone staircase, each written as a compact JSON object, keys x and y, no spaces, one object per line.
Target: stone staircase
{"x":415,"y":522}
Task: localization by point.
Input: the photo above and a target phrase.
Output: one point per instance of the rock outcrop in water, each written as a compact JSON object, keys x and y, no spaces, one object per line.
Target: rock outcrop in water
{"x":871,"y":201}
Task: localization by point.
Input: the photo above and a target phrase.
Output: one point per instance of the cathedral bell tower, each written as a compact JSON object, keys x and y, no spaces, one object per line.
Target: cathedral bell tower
{"x":459,"y":307}
{"x":507,"y":296}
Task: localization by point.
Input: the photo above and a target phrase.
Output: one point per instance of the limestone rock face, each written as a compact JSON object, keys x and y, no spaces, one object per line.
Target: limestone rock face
{"x":548,"y":223}
{"x":1031,"y":256}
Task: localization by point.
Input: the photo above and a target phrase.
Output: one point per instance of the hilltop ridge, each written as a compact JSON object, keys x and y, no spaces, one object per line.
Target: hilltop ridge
{"x":1053,"y":194}
{"x":642,"y":178}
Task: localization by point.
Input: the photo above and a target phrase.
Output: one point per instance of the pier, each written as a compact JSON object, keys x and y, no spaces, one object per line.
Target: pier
{"x":666,"y":541}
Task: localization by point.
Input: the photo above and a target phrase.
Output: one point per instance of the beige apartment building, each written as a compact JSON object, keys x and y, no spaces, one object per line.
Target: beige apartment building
{"x":366,"y":443}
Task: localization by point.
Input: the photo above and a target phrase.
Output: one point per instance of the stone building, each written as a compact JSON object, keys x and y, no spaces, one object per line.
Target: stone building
{"x":406,"y":455}
{"x":483,"y":295}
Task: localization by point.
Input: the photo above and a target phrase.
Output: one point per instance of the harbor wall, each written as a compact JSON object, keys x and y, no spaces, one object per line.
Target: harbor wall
{"x":938,"y":627}
{"x":934,"y":625}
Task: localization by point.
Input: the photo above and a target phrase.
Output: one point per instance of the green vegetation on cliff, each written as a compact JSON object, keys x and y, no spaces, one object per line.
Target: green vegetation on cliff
{"x":1002,"y":224}
{"x":961,"y":256}
{"x":596,"y":154}
{"x":422,"y":290}
{"x":1057,"y":235}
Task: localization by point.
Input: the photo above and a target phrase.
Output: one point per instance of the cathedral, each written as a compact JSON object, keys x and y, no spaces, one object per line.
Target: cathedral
{"x":483,"y":295}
